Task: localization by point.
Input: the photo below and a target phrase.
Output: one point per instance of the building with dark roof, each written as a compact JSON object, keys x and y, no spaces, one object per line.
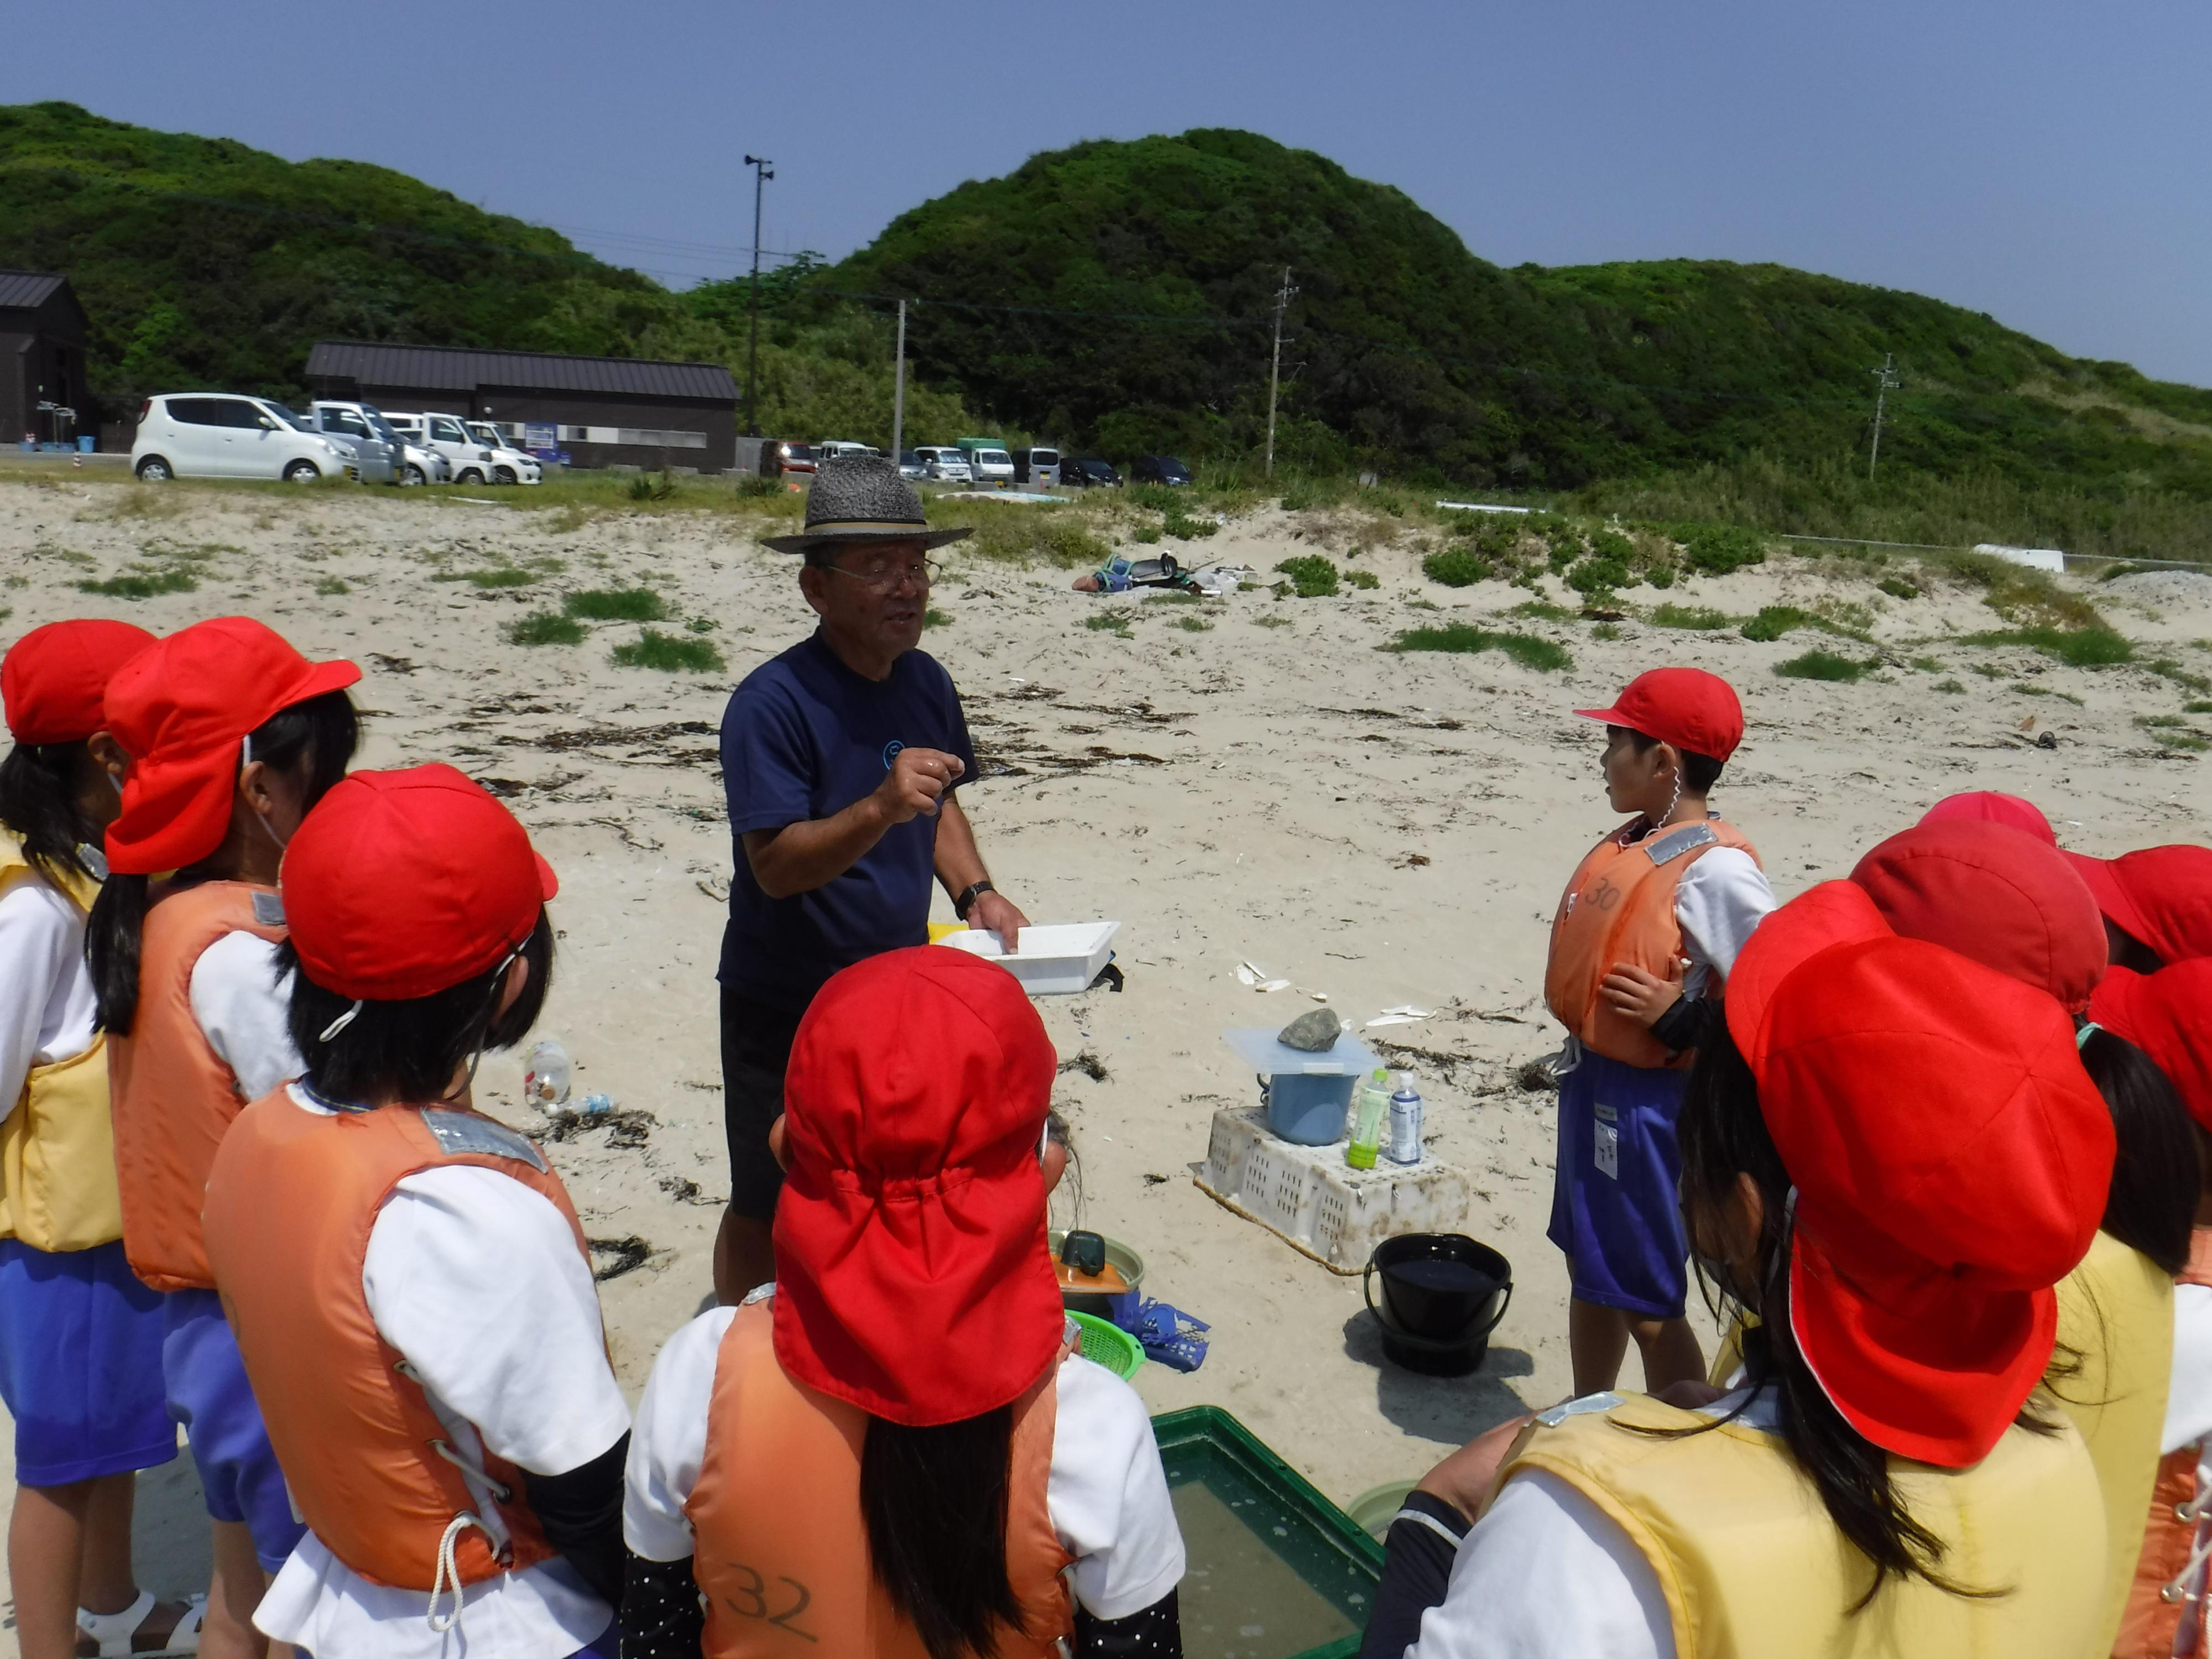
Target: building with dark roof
{"x":43,"y":395}
{"x":595,"y":411}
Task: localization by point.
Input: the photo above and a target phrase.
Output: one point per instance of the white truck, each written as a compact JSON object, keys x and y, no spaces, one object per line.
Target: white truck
{"x":509,"y":465}
{"x":448,"y":435}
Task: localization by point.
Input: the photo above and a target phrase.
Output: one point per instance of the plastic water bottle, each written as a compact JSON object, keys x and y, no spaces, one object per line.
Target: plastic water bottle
{"x":1405,"y":1122}
{"x":1368,"y":1113}
{"x":545,"y":1077}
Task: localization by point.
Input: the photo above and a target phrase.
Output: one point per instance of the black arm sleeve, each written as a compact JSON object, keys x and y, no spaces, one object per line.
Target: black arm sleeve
{"x":581,"y":1513}
{"x":1690,"y":1023}
{"x":661,"y":1614}
{"x":1417,"y":1567}
{"x":1154,"y":1634}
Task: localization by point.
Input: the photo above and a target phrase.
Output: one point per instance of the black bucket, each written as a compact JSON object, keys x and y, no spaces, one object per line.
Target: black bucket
{"x":1442,"y":1295}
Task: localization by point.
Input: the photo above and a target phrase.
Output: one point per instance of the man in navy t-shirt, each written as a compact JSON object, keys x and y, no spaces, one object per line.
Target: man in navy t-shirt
{"x":840,"y":758}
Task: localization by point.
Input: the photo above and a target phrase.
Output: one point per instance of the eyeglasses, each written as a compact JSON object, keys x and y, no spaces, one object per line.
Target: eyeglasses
{"x":886,"y":574}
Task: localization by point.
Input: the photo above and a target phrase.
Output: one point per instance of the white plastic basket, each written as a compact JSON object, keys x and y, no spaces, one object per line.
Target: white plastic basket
{"x":1058,"y":959}
{"x":1319,"y":1203}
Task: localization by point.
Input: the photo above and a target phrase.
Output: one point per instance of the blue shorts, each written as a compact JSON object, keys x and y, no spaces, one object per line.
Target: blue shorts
{"x":1616,"y":1189}
{"x":81,"y":1364}
{"x":210,"y":1395}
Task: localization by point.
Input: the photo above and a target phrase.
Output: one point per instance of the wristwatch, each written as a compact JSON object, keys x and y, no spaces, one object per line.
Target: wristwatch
{"x":966,"y":902}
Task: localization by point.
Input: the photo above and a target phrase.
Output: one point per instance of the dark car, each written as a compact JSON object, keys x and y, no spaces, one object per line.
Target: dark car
{"x":1081,"y":472}
{"x":1159,"y":469}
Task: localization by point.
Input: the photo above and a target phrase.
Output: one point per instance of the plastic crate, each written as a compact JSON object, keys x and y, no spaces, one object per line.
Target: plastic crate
{"x":1267,"y":1552}
{"x":1319,"y":1203}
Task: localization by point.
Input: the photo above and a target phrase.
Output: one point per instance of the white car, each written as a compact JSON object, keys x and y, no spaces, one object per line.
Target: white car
{"x":944,"y":464}
{"x":508,"y":465}
{"x":448,"y":435}
{"x":842,"y":449}
{"x":213,"y":435}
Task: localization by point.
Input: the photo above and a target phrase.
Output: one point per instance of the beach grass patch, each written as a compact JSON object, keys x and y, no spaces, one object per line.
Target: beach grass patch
{"x":1696,"y":618}
{"x":2166,"y":668}
{"x":1272,"y":621}
{"x":331,"y":586}
{"x":1823,"y":666}
{"x":1927,"y":664}
{"x":1542,"y":611}
{"x":1529,"y":650}
{"x":545,"y":628}
{"x":671,"y":653}
{"x":2197,"y":705}
{"x":1774,"y":621}
{"x":142,"y":583}
{"x":1714,"y":550}
{"x":1899,"y":587}
{"x":2097,"y":646}
{"x":1108,"y":621}
{"x":639,"y":604}
{"x":1951,"y":687}
{"x":1194,"y":624}
{"x":1312,"y":576}
{"x":505,"y":576}
{"x":1456,"y":566}
{"x":1366,"y":580}
{"x":932,"y":617}
{"x":1606,"y":630}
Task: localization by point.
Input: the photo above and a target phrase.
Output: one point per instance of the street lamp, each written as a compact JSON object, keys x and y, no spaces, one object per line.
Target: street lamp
{"x":763,"y":170}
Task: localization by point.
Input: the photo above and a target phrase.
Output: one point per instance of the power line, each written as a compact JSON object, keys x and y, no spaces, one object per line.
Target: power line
{"x":1886,"y":381}
{"x":1282,"y":296}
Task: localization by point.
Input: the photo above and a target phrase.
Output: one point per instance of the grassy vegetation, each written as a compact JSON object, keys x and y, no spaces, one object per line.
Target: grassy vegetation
{"x":1194,"y":624}
{"x":1529,"y":650}
{"x":503,"y":576}
{"x":141,"y":584}
{"x":1542,"y":611}
{"x":616,"y":605}
{"x":2096,"y":647}
{"x":1312,"y":576}
{"x":1366,"y":581}
{"x":545,"y":628}
{"x":1702,"y":619}
{"x":1008,"y":532}
{"x":932,"y":617}
{"x":1823,"y":666}
{"x":331,"y":588}
{"x":1456,"y":566}
{"x":1951,"y":687}
{"x":670,"y":652}
{"x":1109,"y":621}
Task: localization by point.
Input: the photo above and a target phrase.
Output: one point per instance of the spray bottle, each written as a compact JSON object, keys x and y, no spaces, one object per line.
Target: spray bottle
{"x":1368,"y":1113}
{"x":1405,"y":1122}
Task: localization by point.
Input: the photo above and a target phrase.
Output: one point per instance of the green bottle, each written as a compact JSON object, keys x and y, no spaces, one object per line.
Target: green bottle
{"x":1368,"y":1113}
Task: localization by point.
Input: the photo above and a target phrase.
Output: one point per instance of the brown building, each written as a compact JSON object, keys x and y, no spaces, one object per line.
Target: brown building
{"x":43,"y":396}
{"x":593,"y":411}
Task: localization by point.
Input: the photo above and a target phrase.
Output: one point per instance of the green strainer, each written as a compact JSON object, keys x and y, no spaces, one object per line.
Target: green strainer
{"x":1109,"y":1345}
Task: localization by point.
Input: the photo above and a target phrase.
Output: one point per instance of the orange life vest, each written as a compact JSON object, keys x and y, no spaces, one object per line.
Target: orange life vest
{"x":782,"y":1547}
{"x":173,"y":1096}
{"x":2158,"y":1600}
{"x":1619,"y":908}
{"x":290,"y":1206}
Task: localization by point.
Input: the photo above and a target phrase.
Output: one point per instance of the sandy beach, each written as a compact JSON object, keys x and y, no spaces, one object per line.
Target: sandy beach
{"x":1242,"y":779}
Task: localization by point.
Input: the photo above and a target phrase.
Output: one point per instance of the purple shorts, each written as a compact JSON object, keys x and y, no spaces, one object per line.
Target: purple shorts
{"x":1616,"y":1198}
{"x":81,"y":1364}
{"x":208,"y":1393}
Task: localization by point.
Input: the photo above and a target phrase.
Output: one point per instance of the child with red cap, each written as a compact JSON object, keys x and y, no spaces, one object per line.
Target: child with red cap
{"x":1891,"y":1155}
{"x":1644,"y":936}
{"x":1989,"y":806}
{"x":891,"y":1451}
{"x":2157,"y":903}
{"x":79,"y":1337}
{"x":232,"y":736}
{"x":412,"y":1291}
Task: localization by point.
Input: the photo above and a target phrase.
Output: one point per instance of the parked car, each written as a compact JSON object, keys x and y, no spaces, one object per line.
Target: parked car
{"x":783,"y":455}
{"x":839,"y":449}
{"x":508,"y":464}
{"x":1159,"y":469}
{"x":222,"y":435}
{"x":1086,"y":471}
{"x":944,"y":464}
{"x":448,"y":435}
{"x":378,"y":451}
{"x":411,"y":464}
{"x":988,"y":461}
{"x":911,"y":465}
{"x":1036,"y":466}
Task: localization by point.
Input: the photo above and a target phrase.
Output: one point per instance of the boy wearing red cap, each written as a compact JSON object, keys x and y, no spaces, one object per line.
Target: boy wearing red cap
{"x":412,"y":1290}
{"x":892,"y":1450}
{"x":79,"y":1337}
{"x":1891,"y":1156}
{"x":232,"y":736}
{"x":1645,"y":935}
{"x":2157,"y":903}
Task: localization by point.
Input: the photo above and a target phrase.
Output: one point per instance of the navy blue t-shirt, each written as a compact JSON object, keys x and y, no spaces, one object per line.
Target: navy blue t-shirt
{"x":804,"y":736}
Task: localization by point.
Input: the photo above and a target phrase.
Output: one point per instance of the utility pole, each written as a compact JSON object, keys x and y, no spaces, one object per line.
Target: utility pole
{"x":1282,"y":296}
{"x":763,"y":170}
{"x":898,"y":392}
{"x":1886,"y":381}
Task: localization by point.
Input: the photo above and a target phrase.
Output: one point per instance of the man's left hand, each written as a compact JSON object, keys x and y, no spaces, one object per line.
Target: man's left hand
{"x":996,"y":913}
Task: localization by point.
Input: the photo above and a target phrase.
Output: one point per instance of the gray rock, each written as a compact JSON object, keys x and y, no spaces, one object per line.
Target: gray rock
{"x":1313,"y":1032}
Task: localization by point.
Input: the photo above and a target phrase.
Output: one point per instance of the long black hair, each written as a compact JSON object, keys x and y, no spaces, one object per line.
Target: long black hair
{"x":935,"y":1500}
{"x":1722,"y":1136}
{"x":2156,"y":1177}
{"x":39,"y":785}
{"x":409,"y":1050}
{"x":315,"y":738}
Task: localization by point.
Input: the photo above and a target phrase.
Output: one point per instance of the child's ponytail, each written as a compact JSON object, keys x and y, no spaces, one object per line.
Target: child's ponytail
{"x":37,"y":801}
{"x":111,"y":950}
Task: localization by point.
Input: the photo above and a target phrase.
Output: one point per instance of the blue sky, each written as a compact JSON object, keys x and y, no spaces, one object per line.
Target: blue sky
{"x":2044,"y":162}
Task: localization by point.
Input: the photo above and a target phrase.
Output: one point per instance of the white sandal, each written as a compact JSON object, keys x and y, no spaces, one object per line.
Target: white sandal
{"x":116,"y":1632}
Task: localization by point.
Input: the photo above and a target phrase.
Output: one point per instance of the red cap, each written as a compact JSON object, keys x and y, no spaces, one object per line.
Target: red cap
{"x":1991,"y":893}
{"x":913,"y":1278}
{"x":2160,"y":895}
{"x":54,"y":677}
{"x":1988,"y":806}
{"x":180,"y":710}
{"x":1951,"y":1159}
{"x":1686,"y":706}
{"x":2167,"y":1015}
{"x":401,"y":884}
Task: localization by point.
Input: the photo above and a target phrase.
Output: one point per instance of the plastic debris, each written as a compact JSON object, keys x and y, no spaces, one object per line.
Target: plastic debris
{"x":1259,"y":979}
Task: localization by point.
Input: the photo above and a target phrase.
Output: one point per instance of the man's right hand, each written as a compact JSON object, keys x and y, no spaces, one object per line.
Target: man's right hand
{"x":917,"y":780}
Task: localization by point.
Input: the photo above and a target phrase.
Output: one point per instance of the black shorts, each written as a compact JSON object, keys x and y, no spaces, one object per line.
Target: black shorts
{"x":756,"y":1048}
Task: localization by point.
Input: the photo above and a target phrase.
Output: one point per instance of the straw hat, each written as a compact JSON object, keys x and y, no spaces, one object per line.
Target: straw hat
{"x":862,"y":498}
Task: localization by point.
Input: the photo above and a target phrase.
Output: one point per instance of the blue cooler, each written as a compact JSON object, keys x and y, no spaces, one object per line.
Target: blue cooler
{"x":1308,"y":1096}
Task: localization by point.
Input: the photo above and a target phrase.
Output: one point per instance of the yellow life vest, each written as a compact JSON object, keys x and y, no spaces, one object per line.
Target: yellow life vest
{"x":58,"y":1188}
{"x":1751,"y":1567}
{"x":2116,"y":1314}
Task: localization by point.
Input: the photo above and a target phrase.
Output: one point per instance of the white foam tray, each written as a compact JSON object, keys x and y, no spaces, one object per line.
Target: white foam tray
{"x":1317,"y":1202}
{"x":1057,"y":960}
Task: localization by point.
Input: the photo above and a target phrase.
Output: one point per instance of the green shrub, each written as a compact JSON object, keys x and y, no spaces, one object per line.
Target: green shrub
{"x":2197,"y":705}
{"x":2098,"y":646}
{"x":1612,"y":544}
{"x":1951,"y":687}
{"x":702,"y":624}
{"x":1899,"y":587}
{"x":932,"y":617}
{"x":331,"y":587}
{"x":1595,"y":578}
{"x":545,"y":628}
{"x":1822,"y":665}
{"x":1008,"y":532}
{"x":616,"y":605}
{"x":1366,"y":581}
{"x":142,"y":585}
{"x":651,"y":487}
{"x":1146,"y":533}
{"x":752,"y":487}
{"x":1313,"y":576}
{"x":1773,"y":621}
{"x":1716,"y":549}
{"x":670,"y":652}
{"x":1702,"y":619}
{"x":1660,"y":575}
{"x":1529,"y":650}
{"x":1456,"y":566}
{"x":1606,"y":630}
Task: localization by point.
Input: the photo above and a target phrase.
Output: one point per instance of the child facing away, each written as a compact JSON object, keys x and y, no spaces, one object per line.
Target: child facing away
{"x":892,"y":1450}
{"x":1645,"y":936}
{"x":79,"y":1337}
{"x":412,"y":1291}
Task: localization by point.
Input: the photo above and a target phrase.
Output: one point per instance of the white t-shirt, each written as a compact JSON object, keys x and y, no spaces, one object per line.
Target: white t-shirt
{"x":1720,"y":899}
{"x":238,"y":1002}
{"x":2188,"y":1391}
{"x":477,"y":1280}
{"x":45,"y":990}
{"x":1107,"y":1492}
